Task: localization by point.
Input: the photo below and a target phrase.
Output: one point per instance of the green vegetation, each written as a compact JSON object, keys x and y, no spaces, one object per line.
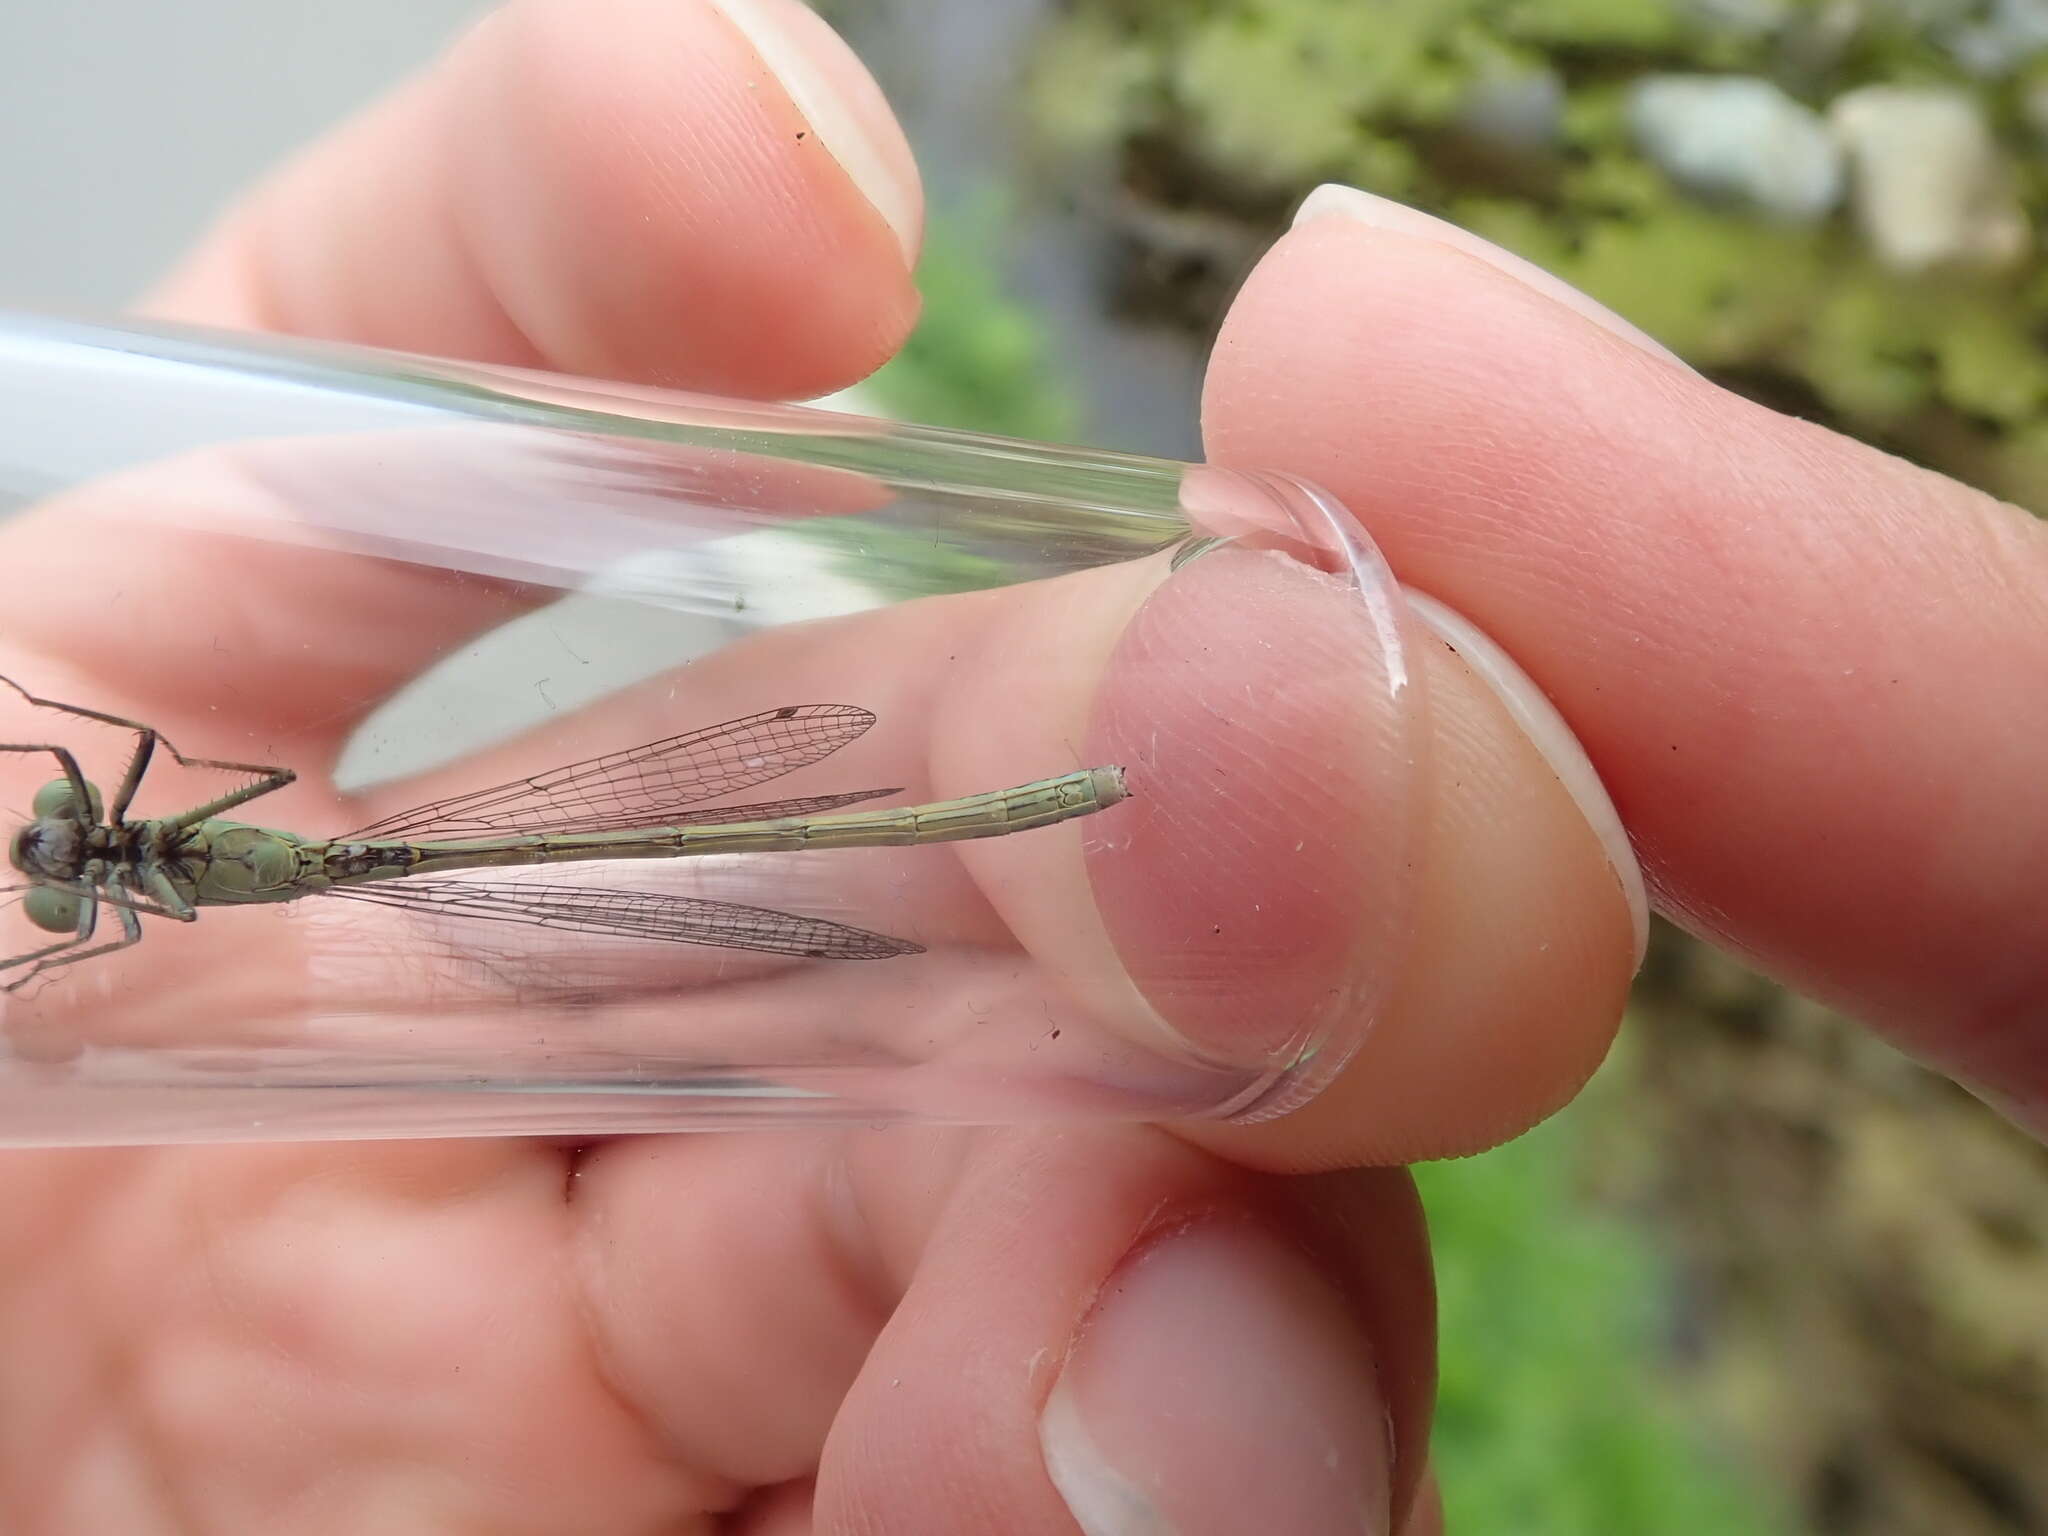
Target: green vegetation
{"x":977,"y":360}
{"x":1239,"y":106}
{"x":1556,"y":1415}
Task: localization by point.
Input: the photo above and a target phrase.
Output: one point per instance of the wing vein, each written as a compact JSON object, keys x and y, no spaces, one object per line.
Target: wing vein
{"x":632,"y":914}
{"x":650,"y":785}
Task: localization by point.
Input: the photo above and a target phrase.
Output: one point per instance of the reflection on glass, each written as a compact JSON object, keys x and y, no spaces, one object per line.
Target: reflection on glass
{"x":1142,"y":736}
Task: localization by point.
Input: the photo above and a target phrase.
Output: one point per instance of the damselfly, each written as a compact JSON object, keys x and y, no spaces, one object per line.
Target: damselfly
{"x":647,"y":802}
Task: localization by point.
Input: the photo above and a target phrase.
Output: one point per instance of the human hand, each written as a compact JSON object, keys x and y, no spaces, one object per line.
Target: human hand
{"x":515,"y":1335}
{"x":879,"y":1331}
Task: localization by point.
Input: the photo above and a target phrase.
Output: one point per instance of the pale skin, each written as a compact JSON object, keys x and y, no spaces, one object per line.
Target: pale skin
{"x":858,"y":1331}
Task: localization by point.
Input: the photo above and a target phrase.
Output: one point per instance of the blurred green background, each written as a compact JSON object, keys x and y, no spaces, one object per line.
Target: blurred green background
{"x":1766,"y":1275}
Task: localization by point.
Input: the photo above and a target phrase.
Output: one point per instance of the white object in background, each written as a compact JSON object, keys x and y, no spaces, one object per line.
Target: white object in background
{"x":1931,"y":185}
{"x":1734,"y":137}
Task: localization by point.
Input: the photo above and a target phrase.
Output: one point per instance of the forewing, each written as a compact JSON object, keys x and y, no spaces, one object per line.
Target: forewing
{"x":648,"y":915}
{"x":645,"y":786}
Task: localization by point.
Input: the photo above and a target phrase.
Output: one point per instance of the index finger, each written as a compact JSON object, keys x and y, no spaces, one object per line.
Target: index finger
{"x":701,"y":195}
{"x":1810,"y":674}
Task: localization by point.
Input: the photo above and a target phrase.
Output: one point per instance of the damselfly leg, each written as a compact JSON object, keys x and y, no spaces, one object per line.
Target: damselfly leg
{"x":147,"y":739}
{"x":70,"y":951}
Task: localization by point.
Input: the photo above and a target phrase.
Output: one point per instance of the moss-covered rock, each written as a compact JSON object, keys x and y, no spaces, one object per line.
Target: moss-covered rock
{"x":1236,"y":107}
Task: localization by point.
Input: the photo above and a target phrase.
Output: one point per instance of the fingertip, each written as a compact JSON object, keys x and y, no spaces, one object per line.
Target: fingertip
{"x":1257,"y":888}
{"x":1513,"y":974}
{"x":648,"y":199}
{"x":1111,"y":1305}
{"x":848,"y":115}
{"x":1746,"y":618}
{"x":613,"y":188}
{"x":1343,"y":205}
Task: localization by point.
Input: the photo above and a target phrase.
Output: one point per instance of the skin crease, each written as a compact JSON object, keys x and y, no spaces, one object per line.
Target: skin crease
{"x":857,"y":1331}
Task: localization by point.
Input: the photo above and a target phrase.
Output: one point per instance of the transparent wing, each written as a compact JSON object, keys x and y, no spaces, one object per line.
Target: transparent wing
{"x":649,"y":785}
{"x":633,"y":915}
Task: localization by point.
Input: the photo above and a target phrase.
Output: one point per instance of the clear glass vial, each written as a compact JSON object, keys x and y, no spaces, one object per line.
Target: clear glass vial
{"x":406,"y":580}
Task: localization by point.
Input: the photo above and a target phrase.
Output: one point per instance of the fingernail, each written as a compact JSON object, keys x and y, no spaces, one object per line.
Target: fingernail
{"x":1334,"y":200}
{"x":836,"y":95}
{"x":1539,"y":720}
{"x":1220,"y":1385}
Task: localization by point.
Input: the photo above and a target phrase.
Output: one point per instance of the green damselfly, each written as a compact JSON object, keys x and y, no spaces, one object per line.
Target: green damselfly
{"x":646,"y":802}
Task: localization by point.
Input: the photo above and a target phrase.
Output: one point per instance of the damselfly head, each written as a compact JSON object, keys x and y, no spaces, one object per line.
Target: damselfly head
{"x":48,"y":848}
{"x":58,"y":798}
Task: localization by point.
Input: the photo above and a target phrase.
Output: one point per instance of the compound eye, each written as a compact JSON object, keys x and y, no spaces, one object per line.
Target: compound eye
{"x":56,"y":799}
{"x":52,"y":911}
